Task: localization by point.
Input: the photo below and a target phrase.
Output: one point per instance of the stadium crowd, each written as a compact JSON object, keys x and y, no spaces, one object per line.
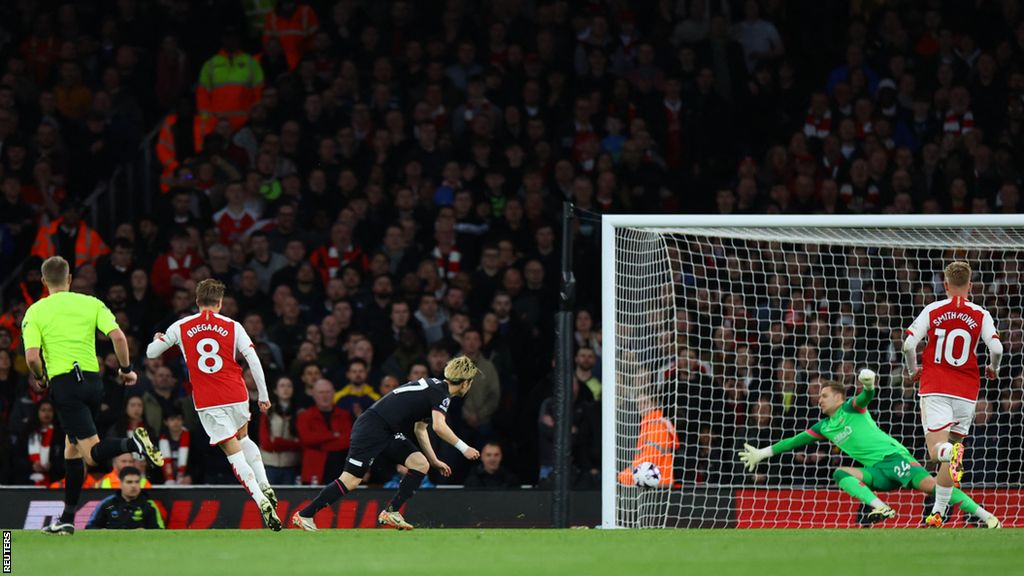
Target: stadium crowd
{"x":380,"y":184}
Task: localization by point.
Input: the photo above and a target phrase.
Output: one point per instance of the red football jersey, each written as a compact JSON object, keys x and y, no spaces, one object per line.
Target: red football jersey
{"x":209,"y":342}
{"x":950,"y":362}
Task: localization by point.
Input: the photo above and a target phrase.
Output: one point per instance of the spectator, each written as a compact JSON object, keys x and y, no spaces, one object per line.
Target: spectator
{"x":174,"y":268}
{"x":43,"y":445}
{"x":174,"y":445}
{"x":161,"y":399}
{"x":584,"y":370}
{"x":279,"y":442}
{"x":324,"y":431}
{"x":478,"y":410}
{"x":585,"y":471}
{"x":133,"y":416}
{"x":129,"y":508}
{"x":265,"y":262}
{"x":357,"y":395}
{"x":490,"y":474}
{"x":113,"y":478}
{"x":431,"y":318}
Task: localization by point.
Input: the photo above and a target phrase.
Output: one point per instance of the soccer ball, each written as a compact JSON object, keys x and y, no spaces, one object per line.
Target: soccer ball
{"x":646,"y":475}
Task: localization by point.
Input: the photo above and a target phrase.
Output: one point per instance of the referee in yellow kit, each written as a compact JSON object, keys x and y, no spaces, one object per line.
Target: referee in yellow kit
{"x":63,"y":325}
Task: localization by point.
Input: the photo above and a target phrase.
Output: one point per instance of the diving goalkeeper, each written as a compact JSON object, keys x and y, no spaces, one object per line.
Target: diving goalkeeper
{"x":887,"y":464}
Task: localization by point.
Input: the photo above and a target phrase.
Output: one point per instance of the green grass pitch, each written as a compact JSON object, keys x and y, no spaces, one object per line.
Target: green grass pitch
{"x":522,"y":552}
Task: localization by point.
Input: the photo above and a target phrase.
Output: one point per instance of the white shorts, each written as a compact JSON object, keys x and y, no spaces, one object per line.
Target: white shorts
{"x":946,"y":412}
{"x":223,"y":422}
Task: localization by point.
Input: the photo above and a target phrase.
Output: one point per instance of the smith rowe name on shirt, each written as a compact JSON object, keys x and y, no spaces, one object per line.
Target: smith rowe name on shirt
{"x":966,"y":318}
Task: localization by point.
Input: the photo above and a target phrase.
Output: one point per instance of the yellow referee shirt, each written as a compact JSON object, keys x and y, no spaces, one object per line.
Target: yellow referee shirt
{"x":64,"y":325}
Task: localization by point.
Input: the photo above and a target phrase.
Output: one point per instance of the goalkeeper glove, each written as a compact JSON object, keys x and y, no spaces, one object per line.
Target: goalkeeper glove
{"x":867,"y":378}
{"x":751,"y":455}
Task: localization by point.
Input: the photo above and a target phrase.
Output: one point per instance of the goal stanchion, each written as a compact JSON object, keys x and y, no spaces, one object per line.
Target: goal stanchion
{"x":719,"y":330}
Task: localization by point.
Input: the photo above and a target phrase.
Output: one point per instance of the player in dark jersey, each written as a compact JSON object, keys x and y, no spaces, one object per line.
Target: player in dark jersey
{"x":379,"y":430}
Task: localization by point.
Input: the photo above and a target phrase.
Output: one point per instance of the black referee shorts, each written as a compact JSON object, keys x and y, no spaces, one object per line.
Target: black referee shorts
{"x":77,"y":403}
{"x":372,"y":437}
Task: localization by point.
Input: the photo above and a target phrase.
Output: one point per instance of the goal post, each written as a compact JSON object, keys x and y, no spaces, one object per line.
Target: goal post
{"x":721,"y":328}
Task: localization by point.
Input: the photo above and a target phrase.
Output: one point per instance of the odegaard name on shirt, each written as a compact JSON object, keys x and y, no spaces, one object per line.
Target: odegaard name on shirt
{"x":205,"y":327}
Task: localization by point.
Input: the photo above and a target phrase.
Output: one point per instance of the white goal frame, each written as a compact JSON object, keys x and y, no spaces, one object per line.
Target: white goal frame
{"x":609,"y":225}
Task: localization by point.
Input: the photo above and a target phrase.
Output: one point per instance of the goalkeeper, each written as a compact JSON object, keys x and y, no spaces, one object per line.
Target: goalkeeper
{"x":887,"y":464}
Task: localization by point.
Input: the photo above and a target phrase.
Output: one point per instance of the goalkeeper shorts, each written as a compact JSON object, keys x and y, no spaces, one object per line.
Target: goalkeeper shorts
{"x":894,"y":472}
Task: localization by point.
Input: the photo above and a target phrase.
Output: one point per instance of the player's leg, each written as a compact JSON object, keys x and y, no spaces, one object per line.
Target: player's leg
{"x":255,"y":460}
{"x":232,"y":448}
{"x":937,"y":418}
{"x":417,"y":466}
{"x":963,"y":417}
{"x":926,"y":483}
{"x":247,"y":478}
{"x":368,"y":440}
{"x":331,"y":493}
{"x":222,"y":425}
{"x":856,"y":482}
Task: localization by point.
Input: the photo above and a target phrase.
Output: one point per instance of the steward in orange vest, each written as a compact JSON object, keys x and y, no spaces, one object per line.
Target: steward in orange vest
{"x":179,"y":142}
{"x":68,"y":236}
{"x":294,"y":25}
{"x":230,"y":83}
{"x":656,"y":444}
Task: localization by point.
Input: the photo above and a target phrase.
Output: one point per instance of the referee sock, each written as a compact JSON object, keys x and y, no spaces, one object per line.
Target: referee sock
{"x":406,"y":488}
{"x":74,"y":477}
{"x":255,"y":460}
{"x":329,"y":495}
{"x":106,"y":450}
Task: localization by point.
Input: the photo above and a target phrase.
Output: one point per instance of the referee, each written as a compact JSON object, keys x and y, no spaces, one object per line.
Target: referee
{"x":63,"y":327}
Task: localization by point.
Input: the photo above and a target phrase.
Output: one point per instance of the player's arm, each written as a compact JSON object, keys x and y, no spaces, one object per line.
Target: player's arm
{"x":752,"y":455}
{"x":867,"y":378}
{"x":162,"y":342}
{"x":248,"y":351}
{"x":917,"y":330}
{"x":423,"y":438}
{"x":33,"y":340}
{"x":439,"y":423}
{"x":995,"y":346}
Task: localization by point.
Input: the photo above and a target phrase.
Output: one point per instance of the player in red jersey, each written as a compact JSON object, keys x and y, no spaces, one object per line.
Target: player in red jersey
{"x":209,"y":342}
{"x":949,"y":378}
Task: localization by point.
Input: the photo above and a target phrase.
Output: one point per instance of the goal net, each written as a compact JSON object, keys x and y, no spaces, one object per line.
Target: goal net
{"x":719,"y":331}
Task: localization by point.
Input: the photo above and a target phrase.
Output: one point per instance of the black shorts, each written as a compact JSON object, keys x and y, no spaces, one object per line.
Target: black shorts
{"x":77,"y":403}
{"x":372,"y":437}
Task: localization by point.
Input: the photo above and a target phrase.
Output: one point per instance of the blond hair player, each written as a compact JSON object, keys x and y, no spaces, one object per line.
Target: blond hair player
{"x":949,"y":378}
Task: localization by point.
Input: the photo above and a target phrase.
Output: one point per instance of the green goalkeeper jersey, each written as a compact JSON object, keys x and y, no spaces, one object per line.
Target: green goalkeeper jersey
{"x":852,"y":430}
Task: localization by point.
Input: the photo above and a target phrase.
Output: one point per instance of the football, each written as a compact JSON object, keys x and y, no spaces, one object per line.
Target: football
{"x":646,"y":475}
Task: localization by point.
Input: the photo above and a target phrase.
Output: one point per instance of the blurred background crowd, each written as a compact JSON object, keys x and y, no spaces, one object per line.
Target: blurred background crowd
{"x":380,"y":185}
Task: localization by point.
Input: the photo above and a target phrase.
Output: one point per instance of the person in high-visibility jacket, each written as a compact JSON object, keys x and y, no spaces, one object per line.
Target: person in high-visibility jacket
{"x":230,"y":83}
{"x":294,"y":25}
{"x":112,"y":479}
{"x":656,"y":444}
{"x":68,"y":236}
{"x":179,"y":141}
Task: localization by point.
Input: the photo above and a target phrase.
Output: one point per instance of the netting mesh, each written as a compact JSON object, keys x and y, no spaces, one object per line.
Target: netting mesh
{"x":723,"y":335}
